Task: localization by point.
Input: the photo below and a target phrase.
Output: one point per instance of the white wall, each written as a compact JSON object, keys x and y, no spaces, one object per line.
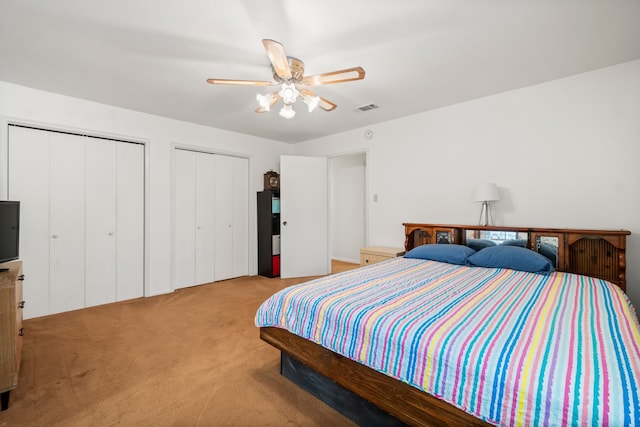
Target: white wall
{"x":564,"y":154}
{"x":347,"y":206}
{"x":30,"y":106}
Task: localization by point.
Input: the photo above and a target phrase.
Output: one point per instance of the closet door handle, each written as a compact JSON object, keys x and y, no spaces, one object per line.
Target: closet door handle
{"x":284,"y":223}
{"x":54,"y":236}
{"x":21,"y":332}
{"x":21,"y":305}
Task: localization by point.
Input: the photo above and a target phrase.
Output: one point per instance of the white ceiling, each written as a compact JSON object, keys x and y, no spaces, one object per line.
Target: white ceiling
{"x":154,"y":56}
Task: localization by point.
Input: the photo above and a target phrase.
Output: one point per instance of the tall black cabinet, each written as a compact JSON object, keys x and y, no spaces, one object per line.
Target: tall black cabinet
{"x":269,"y":233}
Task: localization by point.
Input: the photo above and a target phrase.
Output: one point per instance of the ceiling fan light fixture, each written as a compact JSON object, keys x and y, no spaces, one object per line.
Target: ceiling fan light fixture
{"x":291,"y":83}
{"x":265,"y":101}
{"x":311,"y":101}
{"x":287,"y":111}
{"x":289,"y":93}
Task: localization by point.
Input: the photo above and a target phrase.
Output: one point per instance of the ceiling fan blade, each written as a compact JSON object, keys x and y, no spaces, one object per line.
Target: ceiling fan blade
{"x":274,"y":99}
{"x":278,"y":58}
{"x":326,"y":105}
{"x":239,"y":82}
{"x":323,"y":103}
{"x":350,"y":74}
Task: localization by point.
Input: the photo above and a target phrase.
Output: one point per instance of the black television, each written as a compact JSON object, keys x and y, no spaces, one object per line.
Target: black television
{"x":9,"y":230}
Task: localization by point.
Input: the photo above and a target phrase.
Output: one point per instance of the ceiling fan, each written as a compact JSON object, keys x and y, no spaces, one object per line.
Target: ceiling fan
{"x":288,"y":73}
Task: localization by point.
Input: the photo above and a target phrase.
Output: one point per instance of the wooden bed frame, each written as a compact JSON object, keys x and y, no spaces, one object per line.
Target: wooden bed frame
{"x":598,"y":253}
{"x":595,"y":253}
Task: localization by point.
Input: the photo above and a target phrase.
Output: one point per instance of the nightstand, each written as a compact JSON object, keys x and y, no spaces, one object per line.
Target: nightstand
{"x":374,"y":254}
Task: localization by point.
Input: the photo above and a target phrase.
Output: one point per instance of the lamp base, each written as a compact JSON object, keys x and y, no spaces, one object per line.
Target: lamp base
{"x":485,"y":212}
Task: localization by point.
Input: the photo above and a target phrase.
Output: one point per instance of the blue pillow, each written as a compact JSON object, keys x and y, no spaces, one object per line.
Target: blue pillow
{"x":479,"y":244}
{"x":513,"y":257}
{"x":550,"y":251}
{"x":452,"y":254}
{"x":515,"y":242}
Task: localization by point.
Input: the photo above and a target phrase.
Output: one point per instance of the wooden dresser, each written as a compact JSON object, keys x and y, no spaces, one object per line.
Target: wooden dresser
{"x":374,"y":254}
{"x":11,"y":305}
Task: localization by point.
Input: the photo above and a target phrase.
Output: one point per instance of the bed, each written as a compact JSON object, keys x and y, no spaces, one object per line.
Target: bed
{"x":441,"y":337}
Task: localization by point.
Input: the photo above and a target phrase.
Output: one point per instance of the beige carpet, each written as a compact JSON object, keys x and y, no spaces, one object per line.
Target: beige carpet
{"x":190,"y":358}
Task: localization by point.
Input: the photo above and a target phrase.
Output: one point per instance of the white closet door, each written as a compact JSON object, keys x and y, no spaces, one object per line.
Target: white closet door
{"x":73,"y":210}
{"x":130,"y":221}
{"x":224,"y":217}
{"x":67,"y":205}
{"x":205,"y":192}
{"x":210,"y":218}
{"x":184,"y":218}
{"x":100,"y":221}
{"x":29,"y":184}
{"x":240,"y":203}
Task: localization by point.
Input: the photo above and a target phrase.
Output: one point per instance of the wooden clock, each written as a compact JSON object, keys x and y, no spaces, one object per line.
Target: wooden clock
{"x":272,"y":181}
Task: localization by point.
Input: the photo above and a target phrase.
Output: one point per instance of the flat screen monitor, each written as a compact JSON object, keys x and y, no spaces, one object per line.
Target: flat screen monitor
{"x":9,"y":230}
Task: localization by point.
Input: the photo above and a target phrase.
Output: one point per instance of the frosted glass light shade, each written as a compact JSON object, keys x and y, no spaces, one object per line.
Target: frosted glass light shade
{"x":287,"y":111}
{"x":289,"y":93}
{"x":311,"y":101}
{"x":265,"y":101}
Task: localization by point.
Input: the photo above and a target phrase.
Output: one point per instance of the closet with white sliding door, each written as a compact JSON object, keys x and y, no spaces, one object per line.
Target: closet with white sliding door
{"x":114,"y":194}
{"x":231,"y":217}
{"x":193,"y":218}
{"x":82,"y":218}
{"x":211,"y":217}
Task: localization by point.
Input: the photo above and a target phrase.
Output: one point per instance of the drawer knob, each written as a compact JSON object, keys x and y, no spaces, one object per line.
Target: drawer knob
{"x":21,"y":277}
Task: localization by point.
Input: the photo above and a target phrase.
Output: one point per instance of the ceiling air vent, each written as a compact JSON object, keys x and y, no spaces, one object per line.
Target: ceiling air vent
{"x":366,"y":107}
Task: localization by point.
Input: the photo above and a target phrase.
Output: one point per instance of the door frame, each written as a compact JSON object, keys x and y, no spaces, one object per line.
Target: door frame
{"x":331,"y":195}
{"x":251,"y":226}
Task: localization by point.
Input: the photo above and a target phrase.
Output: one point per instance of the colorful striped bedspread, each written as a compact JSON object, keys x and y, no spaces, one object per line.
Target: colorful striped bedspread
{"x":509,"y":347}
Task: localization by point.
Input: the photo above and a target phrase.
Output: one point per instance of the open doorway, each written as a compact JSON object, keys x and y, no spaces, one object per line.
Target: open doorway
{"x":348,"y":206}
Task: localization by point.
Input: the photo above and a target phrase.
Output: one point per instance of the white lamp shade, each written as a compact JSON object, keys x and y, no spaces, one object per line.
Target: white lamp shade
{"x":288,"y":93}
{"x":265,"y":101}
{"x":311,"y":101}
{"x":287,"y":111}
{"x":486,"y":193}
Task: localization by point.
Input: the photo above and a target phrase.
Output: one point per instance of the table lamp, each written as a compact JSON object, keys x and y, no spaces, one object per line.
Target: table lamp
{"x":486,"y":193}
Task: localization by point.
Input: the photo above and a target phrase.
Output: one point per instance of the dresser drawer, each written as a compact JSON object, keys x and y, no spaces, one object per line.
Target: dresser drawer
{"x":19,"y":315}
{"x":366,"y":259}
{"x":374,"y":254}
{"x":10,"y":328}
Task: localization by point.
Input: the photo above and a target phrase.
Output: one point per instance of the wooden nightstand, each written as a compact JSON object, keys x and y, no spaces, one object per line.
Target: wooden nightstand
{"x":374,"y":254}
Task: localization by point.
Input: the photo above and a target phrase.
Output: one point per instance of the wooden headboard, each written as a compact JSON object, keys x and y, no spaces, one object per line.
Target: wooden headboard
{"x":596,"y":253}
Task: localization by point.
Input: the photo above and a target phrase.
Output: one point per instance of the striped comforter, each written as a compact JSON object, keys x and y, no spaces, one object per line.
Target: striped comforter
{"x":509,"y":347}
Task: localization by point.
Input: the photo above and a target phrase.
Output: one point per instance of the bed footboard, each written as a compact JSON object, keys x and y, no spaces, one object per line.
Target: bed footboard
{"x":402,"y":401}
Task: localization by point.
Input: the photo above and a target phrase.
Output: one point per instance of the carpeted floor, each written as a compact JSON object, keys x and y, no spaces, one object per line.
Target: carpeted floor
{"x":189,"y":358}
